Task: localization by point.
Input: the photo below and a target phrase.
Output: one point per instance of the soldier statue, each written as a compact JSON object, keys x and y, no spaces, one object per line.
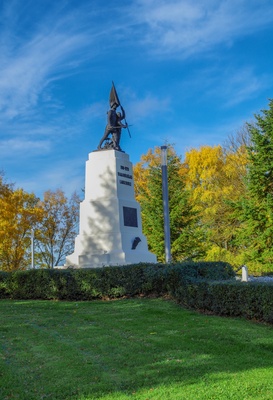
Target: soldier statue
{"x":114,"y":124}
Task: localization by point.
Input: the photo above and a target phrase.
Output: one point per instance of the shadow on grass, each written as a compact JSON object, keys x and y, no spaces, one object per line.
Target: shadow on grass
{"x":62,"y":350}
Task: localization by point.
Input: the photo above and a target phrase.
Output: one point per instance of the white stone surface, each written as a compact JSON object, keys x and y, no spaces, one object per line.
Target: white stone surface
{"x":104,"y":235}
{"x":244,"y":273}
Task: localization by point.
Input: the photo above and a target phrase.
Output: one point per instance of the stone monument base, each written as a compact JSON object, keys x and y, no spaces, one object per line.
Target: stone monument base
{"x":110,"y":218}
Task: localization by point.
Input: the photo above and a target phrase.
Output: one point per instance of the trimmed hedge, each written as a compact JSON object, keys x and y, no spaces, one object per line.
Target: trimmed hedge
{"x":111,"y":282}
{"x":4,"y":284}
{"x":251,"y":300}
{"x":205,"y":286}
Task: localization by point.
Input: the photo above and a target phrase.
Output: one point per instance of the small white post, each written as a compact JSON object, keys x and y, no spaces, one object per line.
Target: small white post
{"x":32,"y":249}
{"x":244,"y":273}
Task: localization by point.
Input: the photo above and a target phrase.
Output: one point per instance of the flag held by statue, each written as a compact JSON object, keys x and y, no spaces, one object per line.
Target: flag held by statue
{"x":113,"y":98}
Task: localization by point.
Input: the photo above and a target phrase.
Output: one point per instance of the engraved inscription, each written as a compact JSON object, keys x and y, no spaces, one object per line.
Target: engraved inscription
{"x":125,"y":183}
{"x":125,"y":175}
{"x":124,"y":168}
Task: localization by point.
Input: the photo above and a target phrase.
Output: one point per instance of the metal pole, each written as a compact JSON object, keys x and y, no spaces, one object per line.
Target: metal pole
{"x":165,"y":193}
{"x":32,"y":249}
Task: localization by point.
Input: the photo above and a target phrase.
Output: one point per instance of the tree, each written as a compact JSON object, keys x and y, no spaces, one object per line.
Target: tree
{"x":56,"y":232}
{"x":235,"y":152}
{"x":186,"y":237}
{"x":19,"y":213}
{"x":215,"y":179}
{"x":256,"y":234}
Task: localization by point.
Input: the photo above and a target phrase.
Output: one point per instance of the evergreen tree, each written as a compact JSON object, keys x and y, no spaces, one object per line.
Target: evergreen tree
{"x":257,"y":216}
{"x":185,"y":235}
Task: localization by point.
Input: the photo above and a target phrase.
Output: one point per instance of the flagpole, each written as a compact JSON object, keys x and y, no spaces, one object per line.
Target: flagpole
{"x":167,"y":234}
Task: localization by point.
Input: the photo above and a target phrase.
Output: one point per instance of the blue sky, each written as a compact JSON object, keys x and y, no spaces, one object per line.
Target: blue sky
{"x":187,"y":72}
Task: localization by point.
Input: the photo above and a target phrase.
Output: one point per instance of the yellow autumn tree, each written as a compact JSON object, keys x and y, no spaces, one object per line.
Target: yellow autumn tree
{"x":215,"y":178}
{"x":19,"y":213}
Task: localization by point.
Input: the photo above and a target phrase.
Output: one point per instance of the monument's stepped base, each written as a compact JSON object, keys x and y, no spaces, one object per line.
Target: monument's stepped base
{"x":110,"y":231}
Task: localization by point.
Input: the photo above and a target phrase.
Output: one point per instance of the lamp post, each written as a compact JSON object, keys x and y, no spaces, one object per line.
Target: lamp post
{"x":165,"y":194}
{"x":32,"y":249}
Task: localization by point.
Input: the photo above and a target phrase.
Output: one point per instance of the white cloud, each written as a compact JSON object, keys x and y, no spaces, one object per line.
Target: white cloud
{"x":192,"y":135}
{"x":44,"y":42}
{"x":30,"y":63}
{"x":225,"y":85}
{"x":243,"y":85}
{"x":28,"y":72}
{"x":14,"y":146}
{"x":236,"y":86}
{"x":149,"y":106}
{"x":95,"y":110}
{"x":67,"y":175}
{"x":184,"y":27}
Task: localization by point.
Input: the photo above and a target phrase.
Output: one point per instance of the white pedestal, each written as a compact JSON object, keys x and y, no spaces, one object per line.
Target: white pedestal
{"x":110,"y":219}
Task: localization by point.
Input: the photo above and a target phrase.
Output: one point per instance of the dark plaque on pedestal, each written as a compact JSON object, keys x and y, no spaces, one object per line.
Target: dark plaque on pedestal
{"x":130,"y":216}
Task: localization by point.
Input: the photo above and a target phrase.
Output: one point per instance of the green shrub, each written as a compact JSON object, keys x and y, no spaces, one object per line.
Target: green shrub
{"x":34,"y":284}
{"x":249,"y":300}
{"x":88,"y":284}
{"x":216,"y":270}
{"x":205,"y":286}
{"x":4,"y":285}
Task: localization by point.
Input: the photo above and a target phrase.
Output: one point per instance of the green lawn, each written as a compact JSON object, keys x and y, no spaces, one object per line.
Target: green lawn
{"x":130,"y":349}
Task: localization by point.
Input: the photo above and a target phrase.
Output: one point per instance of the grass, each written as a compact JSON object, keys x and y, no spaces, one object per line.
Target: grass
{"x":130,"y":349}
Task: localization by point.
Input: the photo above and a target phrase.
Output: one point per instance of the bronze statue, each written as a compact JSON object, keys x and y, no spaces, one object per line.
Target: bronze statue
{"x":114,"y":124}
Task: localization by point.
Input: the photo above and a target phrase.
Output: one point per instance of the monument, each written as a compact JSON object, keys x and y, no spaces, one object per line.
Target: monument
{"x":110,"y":228}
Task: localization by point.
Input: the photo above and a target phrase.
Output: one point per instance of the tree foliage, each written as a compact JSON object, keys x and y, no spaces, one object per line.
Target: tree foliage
{"x":57,"y":230}
{"x":54,"y":220}
{"x":19,"y":213}
{"x":215,"y":179}
{"x":186,"y":237}
{"x":256,"y":233}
